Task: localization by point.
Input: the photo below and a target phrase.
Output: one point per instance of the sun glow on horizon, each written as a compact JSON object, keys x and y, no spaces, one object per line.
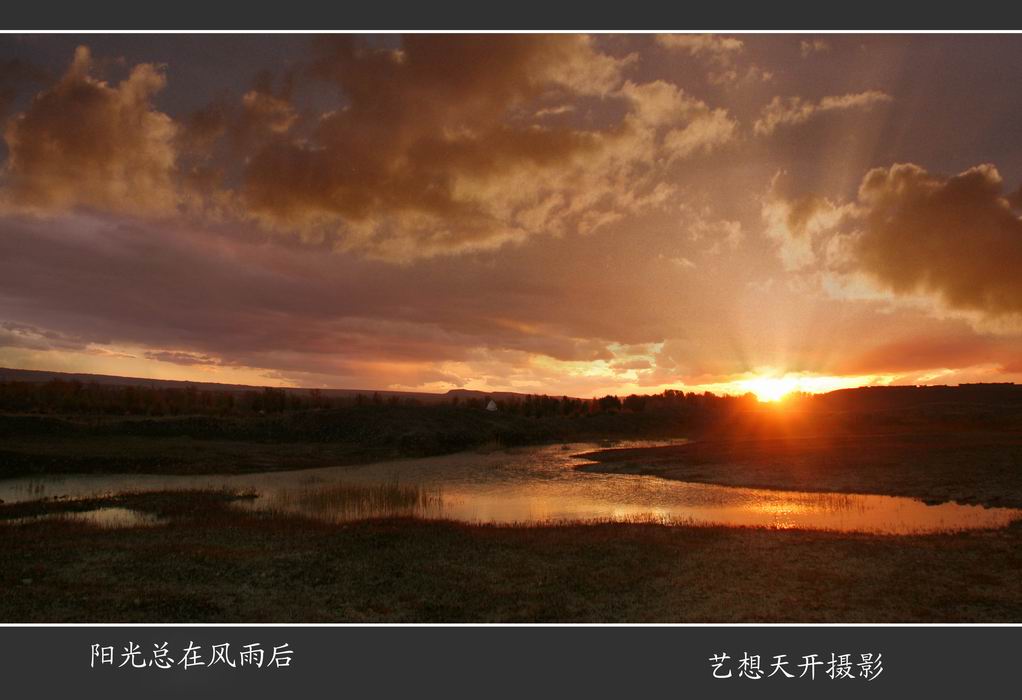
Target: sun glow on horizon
{"x":771,"y":388}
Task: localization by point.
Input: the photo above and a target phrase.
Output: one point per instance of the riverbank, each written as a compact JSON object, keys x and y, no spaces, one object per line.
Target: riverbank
{"x":208,"y":562}
{"x":970,"y":467}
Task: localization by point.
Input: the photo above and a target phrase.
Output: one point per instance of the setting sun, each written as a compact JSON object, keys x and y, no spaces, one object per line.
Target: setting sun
{"x":770,"y":388}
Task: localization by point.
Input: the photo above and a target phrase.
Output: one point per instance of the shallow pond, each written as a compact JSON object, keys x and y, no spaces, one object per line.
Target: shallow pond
{"x":534,"y":485}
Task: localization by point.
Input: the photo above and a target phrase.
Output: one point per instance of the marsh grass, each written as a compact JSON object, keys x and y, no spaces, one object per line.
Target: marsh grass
{"x":152,"y":507}
{"x":347,"y":501}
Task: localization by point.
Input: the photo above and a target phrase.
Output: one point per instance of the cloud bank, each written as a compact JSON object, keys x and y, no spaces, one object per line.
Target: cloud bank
{"x":439,"y":146}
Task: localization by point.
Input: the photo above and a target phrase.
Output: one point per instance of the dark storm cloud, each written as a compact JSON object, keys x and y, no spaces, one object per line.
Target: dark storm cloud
{"x":15,"y":76}
{"x":23,"y":335}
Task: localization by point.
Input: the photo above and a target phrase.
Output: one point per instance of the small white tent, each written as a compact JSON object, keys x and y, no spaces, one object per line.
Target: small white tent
{"x":492,"y":406}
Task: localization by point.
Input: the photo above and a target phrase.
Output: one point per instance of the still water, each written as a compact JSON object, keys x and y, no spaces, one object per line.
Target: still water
{"x":103,"y":517}
{"x":533,"y":485}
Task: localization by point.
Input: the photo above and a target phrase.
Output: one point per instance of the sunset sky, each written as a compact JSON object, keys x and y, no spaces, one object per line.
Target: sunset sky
{"x":547,"y":214}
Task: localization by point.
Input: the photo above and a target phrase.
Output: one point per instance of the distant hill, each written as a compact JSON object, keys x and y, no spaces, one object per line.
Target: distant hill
{"x":886,"y":398}
{"x":41,"y":376}
{"x":475,"y":394}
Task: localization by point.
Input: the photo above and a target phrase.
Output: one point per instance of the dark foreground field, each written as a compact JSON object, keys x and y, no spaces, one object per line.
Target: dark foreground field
{"x":210,"y":563}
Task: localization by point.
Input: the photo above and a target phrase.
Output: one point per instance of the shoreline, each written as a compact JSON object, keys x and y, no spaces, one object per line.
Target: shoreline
{"x":965,"y":468}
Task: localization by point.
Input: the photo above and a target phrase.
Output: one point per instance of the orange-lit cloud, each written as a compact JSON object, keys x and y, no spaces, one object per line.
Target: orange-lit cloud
{"x":957,"y":237}
{"x":798,"y":222}
{"x":440,"y":146}
{"x":720,"y":53}
{"x":85,"y":143}
{"x":916,"y":353}
{"x":796,"y":110}
{"x":560,"y":214}
{"x":808,"y":47}
{"x":702,"y":44}
{"x":426,"y":160}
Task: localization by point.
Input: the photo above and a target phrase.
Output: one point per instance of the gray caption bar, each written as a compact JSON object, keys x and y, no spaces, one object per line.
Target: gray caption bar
{"x":500,"y":662}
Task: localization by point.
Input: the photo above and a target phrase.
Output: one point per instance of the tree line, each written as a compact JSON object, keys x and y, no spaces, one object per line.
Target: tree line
{"x":60,"y":396}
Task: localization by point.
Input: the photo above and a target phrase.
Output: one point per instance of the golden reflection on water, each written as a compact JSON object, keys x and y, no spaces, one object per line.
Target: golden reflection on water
{"x":533,"y":486}
{"x":102,"y":517}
